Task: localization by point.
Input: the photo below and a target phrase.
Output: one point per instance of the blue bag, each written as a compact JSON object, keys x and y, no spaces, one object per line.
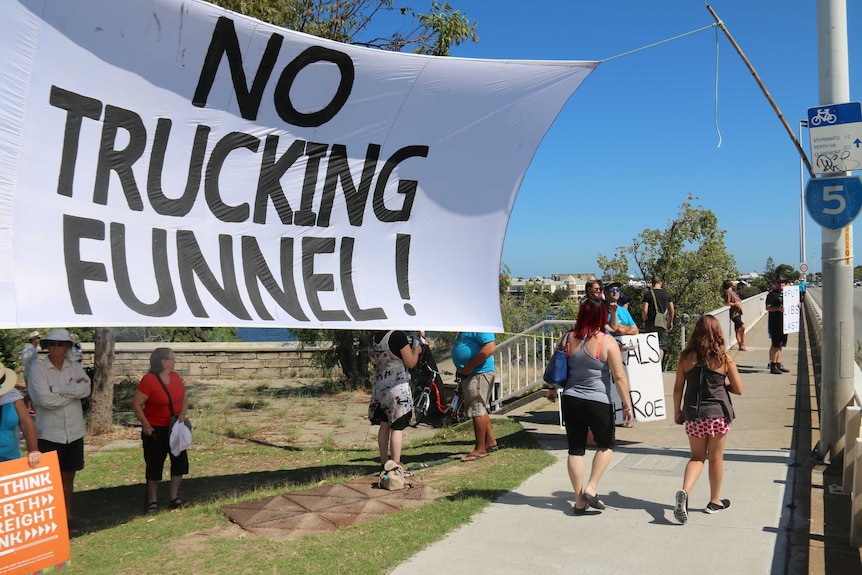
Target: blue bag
{"x":557,"y":371}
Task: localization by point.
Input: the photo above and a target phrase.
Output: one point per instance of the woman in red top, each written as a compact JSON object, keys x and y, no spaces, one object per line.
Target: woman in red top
{"x":154,"y":410}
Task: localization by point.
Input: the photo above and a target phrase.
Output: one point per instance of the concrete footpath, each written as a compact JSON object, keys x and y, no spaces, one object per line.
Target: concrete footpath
{"x":532,"y":529}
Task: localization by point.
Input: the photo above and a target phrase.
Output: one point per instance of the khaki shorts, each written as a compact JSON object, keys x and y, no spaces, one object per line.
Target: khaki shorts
{"x":476,"y":391}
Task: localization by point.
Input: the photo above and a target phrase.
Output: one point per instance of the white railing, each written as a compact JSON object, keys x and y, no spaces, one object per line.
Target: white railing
{"x":521,"y":359}
{"x":851,"y":481}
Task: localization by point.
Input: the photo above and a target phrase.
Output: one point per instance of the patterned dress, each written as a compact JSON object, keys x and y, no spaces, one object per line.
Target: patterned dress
{"x":391,"y":390}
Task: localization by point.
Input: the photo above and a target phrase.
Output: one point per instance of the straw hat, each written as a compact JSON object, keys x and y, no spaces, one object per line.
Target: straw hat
{"x":33,"y":335}
{"x":7,"y":379}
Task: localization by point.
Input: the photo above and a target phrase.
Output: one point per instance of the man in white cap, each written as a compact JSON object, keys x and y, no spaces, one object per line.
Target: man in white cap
{"x":57,"y":386}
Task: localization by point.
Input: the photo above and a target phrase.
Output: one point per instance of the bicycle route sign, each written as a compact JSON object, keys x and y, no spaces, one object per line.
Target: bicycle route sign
{"x":835,"y":133}
{"x":834,"y":202}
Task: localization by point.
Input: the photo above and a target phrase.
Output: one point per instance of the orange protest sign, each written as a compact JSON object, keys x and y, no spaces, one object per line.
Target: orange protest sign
{"x":33,"y":530}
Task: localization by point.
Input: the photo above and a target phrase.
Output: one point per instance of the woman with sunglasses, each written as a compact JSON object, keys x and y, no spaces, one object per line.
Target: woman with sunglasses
{"x":58,"y":385}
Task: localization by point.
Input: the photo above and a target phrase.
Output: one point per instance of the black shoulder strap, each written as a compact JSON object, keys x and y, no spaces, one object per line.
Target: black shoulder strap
{"x":165,"y":387}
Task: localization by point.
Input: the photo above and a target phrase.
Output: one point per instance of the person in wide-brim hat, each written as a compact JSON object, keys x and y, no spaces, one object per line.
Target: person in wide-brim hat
{"x":57,"y":385}
{"x":14,"y":414}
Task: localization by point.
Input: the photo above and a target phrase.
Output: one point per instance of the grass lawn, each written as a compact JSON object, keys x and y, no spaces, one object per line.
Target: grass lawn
{"x":119,"y":539}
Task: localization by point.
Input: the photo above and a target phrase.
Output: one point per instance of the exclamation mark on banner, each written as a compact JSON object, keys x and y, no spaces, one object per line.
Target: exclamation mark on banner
{"x":402,"y":269}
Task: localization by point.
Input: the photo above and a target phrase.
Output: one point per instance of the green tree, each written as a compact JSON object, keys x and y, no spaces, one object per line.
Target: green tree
{"x":690,"y":257}
{"x":350,"y":21}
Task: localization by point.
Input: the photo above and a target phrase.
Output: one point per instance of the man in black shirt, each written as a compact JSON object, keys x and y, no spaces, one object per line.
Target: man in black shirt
{"x":775,"y":307}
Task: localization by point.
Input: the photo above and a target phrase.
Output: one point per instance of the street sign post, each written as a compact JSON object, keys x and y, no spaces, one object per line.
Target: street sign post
{"x":835,"y":133}
{"x":834,"y":202}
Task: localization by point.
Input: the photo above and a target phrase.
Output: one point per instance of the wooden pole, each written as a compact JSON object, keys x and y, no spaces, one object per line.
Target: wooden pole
{"x":764,"y":90}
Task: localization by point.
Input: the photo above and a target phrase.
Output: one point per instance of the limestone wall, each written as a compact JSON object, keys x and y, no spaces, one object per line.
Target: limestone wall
{"x":240,"y":360}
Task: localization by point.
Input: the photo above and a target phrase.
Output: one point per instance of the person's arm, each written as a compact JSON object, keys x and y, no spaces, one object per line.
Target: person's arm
{"x":613,"y":322}
{"x":28,"y":430}
{"x":78,"y":386}
{"x":734,"y":381}
{"x":184,"y":409}
{"x":678,"y":387}
{"x":410,"y":355}
{"x":41,"y":391}
{"x":644,"y":312}
{"x":484,"y":353}
{"x":615,"y":362}
{"x":671,"y":315}
{"x":138,"y":402}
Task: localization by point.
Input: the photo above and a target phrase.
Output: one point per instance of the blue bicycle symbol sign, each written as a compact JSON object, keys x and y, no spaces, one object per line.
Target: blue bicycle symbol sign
{"x":823,"y":116}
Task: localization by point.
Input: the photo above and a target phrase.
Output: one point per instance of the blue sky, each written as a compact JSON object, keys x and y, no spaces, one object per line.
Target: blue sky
{"x":639,"y":135}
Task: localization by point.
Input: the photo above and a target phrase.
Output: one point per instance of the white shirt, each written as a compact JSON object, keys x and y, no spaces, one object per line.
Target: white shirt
{"x":29,"y":357}
{"x":56,"y":395}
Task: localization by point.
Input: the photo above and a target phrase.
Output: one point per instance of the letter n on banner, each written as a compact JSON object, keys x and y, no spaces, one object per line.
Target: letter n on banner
{"x":35,"y":535}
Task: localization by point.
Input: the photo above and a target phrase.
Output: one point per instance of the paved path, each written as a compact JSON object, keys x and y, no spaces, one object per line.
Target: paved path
{"x":532,"y":529}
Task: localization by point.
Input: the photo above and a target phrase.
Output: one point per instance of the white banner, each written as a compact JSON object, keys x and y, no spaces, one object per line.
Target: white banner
{"x":790,"y":301}
{"x":167,"y":162}
{"x":642,"y":362}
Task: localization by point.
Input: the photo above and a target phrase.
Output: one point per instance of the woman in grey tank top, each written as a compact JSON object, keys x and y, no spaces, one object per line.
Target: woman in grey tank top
{"x":587,"y":401}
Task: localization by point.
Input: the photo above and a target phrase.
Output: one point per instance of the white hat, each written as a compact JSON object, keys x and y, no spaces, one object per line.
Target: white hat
{"x":33,"y":334}
{"x":7,"y":379}
{"x":56,"y":335}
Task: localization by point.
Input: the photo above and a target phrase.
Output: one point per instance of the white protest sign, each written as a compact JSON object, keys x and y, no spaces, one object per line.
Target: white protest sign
{"x":168,"y":162}
{"x":790,"y":301}
{"x":642,"y":362}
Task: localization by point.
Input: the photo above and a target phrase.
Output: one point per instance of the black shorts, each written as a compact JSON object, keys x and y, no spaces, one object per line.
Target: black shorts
{"x":662,"y":338}
{"x":779,"y":340}
{"x":737,"y":322}
{"x":583,"y":414}
{"x":156,"y":449}
{"x":399,"y":424}
{"x":71,"y":455}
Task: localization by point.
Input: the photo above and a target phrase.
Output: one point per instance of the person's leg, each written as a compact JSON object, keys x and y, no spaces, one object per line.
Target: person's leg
{"x":383,"y":441}
{"x":490,"y":440}
{"x":575,"y":465}
{"x":740,"y":337}
{"x":601,"y":461}
{"x":694,"y":467}
{"x":175,"y":487}
{"x":480,"y":425}
{"x":68,"y":478}
{"x":396,"y":440}
{"x":715,"y":450}
{"x":152,"y":491}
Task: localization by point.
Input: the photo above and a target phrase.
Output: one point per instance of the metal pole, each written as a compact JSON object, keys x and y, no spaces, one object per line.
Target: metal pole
{"x":802,"y":124}
{"x":837,"y":256}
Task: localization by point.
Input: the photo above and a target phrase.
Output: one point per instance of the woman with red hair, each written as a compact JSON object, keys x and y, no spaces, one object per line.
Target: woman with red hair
{"x":705,"y":377}
{"x":586,"y":399}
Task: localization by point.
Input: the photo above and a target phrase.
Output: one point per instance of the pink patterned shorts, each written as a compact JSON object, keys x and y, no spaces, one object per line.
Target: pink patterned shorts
{"x":706,"y":427}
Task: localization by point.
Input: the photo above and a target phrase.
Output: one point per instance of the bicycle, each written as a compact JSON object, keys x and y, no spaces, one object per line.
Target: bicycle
{"x":428,"y":392}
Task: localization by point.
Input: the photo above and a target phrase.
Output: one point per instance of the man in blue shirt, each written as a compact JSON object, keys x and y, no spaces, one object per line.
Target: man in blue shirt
{"x":625,"y":322}
{"x":473,"y":356}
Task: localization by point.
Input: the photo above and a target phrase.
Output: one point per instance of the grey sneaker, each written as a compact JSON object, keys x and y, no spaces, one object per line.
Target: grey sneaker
{"x":680,"y":510}
{"x":714,"y":507}
{"x":783,"y":369}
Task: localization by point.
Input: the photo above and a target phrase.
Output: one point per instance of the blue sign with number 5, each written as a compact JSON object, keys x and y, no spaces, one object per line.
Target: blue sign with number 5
{"x":834,"y":202}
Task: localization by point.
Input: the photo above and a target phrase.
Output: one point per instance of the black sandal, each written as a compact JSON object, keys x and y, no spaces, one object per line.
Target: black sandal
{"x":176,"y":503}
{"x":152,"y":507}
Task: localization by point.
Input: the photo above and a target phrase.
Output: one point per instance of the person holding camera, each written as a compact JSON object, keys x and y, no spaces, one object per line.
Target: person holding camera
{"x":391,"y":399}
